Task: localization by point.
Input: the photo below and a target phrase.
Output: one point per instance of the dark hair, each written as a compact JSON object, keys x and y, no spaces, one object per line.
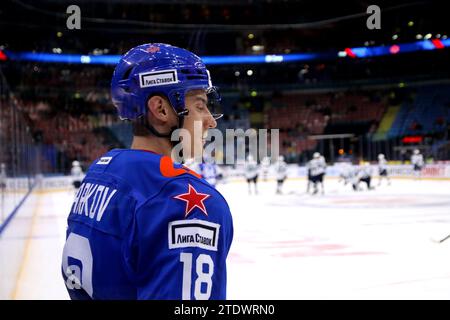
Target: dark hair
{"x":139,"y":125}
{"x":139,"y":128}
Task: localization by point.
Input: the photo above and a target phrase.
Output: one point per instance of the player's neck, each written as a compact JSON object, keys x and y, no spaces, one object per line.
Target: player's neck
{"x":154,"y":144}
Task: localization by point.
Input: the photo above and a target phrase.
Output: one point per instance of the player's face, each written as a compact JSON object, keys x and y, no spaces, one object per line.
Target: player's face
{"x":197,"y":121}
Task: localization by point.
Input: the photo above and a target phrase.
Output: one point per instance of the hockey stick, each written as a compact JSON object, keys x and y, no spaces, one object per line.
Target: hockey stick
{"x":442,"y":240}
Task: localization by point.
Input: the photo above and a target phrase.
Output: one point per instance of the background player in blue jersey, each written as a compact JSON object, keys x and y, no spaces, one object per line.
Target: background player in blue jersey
{"x":210,"y":171}
{"x":142,"y":226}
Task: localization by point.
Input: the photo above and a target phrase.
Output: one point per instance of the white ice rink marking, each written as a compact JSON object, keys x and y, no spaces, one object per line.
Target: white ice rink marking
{"x":341,"y":245}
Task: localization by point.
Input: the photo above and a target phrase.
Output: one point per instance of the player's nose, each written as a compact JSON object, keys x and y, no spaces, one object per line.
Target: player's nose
{"x":211,"y":123}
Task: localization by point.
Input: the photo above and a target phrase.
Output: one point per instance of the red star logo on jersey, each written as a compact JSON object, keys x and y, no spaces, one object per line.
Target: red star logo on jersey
{"x":193,"y":200}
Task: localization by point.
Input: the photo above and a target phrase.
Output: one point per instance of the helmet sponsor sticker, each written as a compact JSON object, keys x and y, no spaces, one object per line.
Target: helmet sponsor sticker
{"x":193,"y":233}
{"x":157,"y":78}
{"x":104,"y":160}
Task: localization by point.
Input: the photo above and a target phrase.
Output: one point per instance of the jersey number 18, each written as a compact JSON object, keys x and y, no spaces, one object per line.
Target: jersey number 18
{"x":202,"y":276}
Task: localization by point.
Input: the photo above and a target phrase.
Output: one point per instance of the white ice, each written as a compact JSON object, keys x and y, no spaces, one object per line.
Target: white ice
{"x":373,"y":244}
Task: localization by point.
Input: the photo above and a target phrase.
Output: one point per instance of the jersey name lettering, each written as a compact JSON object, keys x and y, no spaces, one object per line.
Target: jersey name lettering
{"x":92,"y":200}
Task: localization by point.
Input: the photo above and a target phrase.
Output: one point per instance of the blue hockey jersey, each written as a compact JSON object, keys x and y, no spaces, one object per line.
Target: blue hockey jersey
{"x":143,"y":227}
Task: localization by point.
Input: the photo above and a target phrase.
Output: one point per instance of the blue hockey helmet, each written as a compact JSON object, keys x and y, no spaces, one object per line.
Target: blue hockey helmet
{"x":158,"y":68}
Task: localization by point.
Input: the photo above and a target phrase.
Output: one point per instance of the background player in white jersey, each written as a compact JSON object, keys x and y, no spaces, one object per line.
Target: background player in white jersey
{"x":363,"y":174}
{"x":323,"y":164}
{"x":316,"y":171}
{"x":418,"y":163}
{"x":280,"y":168}
{"x":77,"y":174}
{"x":193,"y":165}
{"x":251,"y":173}
{"x":346,"y":172}
{"x":265,"y":166}
{"x":382,"y":169}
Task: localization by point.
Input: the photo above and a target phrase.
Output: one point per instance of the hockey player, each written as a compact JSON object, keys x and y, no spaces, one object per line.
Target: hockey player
{"x":346,"y":172}
{"x":210,"y":171}
{"x":251,"y":173}
{"x":193,"y":165}
{"x":417,"y":162}
{"x":363,"y":174}
{"x":382,"y":169}
{"x":142,"y":226}
{"x":281,"y":173}
{"x":265,"y":166}
{"x":77,"y":174}
{"x":317,"y":168}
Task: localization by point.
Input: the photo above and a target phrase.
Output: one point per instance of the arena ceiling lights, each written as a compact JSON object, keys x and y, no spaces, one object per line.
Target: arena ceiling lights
{"x":357,"y":52}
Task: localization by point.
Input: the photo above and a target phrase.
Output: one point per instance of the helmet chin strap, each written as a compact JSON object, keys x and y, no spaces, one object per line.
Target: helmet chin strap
{"x":168,"y":135}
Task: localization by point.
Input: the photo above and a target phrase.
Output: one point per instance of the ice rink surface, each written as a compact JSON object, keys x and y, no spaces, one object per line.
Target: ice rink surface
{"x":373,"y":244}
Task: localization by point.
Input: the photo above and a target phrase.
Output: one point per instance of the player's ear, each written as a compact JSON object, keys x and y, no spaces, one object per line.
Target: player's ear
{"x":158,"y":108}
